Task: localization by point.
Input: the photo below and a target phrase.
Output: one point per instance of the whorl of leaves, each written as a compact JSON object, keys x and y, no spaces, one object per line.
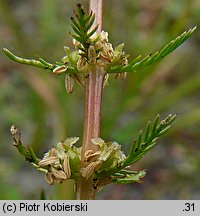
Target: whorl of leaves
{"x":138,"y":62}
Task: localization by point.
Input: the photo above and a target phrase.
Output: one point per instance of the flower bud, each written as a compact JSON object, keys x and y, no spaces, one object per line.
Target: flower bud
{"x":59,"y":174}
{"x":60,"y":69}
{"x":66,"y":166}
{"x":88,"y":171}
{"x":48,"y":161}
{"x":53,"y":152}
{"x":81,"y":63}
{"x":88,"y":153}
{"x":69,"y":84}
{"x":91,"y":156}
{"x":92,"y":54}
{"x":49,"y":178}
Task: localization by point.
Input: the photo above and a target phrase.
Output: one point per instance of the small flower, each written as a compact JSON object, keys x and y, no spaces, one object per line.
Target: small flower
{"x":48,"y":161}
{"x":105,"y":154}
{"x":59,"y":174}
{"x":91,"y":156}
{"x":92,"y":54}
{"x":107,"y":52}
{"x":87,"y":154}
{"x":81,"y":63}
{"x":49,"y":178}
{"x":66,"y":166}
{"x":90,"y":169}
{"x":60,"y":69}
{"x":111,"y":154}
{"x":52,"y":152}
{"x":69,"y":83}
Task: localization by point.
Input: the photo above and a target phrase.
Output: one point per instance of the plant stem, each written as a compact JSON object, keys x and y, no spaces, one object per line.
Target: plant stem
{"x":93,"y":103}
{"x":93,"y":93}
{"x":96,"y":8}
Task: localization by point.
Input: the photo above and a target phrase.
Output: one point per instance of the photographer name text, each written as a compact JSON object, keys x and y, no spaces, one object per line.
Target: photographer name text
{"x":44,"y":207}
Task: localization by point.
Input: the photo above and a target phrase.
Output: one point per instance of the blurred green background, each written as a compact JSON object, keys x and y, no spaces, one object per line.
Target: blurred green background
{"x":37,"y":102}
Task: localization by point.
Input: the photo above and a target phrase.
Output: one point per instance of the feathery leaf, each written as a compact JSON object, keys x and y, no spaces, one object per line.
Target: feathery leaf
{"x":41,"y":63}
{"x":82,"y":24}
{"x":149,"y":140}
{"x":31,"y":62}
{"x":137,"y":63}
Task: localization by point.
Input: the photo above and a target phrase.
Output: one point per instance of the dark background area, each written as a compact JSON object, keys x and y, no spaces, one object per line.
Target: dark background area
{"x":37,"y":102}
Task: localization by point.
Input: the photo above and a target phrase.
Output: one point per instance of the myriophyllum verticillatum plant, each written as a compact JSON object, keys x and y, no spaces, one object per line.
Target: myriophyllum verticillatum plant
{"x":97,"y":162}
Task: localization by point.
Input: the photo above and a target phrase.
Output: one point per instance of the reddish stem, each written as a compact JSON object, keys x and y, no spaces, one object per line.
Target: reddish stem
{"x":96,"y":8}
{"x":93,"y":104}
{"x":93,"y":91}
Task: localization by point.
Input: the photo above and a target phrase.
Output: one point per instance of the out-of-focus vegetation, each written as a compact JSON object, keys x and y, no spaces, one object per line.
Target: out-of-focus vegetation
{"x":36,"y":101}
